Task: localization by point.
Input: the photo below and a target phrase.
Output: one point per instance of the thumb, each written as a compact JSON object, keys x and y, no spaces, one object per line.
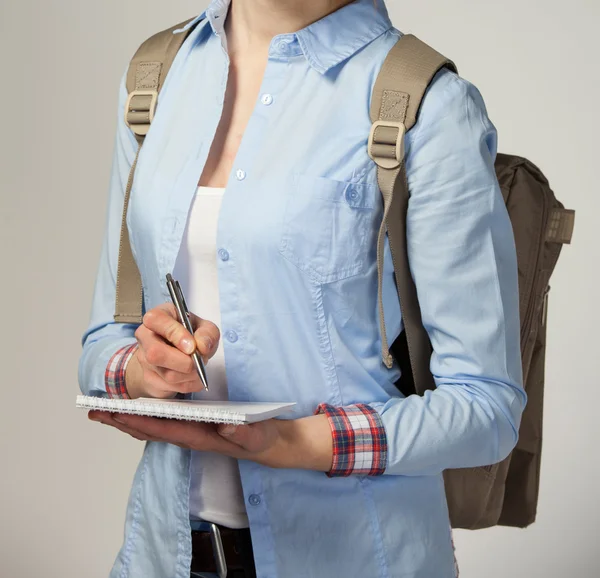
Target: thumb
{"x":237,"y":434}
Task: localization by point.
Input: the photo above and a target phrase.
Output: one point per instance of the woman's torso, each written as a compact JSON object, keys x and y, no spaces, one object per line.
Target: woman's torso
{"x":215,"y":486}
{"x":296,"y":263}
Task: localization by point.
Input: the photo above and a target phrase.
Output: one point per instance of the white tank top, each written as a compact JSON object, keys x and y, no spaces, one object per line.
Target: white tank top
{"x":215,"y":487}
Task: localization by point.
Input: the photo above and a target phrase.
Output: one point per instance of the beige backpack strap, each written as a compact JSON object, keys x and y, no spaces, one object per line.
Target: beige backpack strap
{"x":145,"y":78}
{"x":399,"y":89}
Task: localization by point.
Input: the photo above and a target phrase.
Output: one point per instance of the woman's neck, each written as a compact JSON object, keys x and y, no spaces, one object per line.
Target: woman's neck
{"x":252,"y":24}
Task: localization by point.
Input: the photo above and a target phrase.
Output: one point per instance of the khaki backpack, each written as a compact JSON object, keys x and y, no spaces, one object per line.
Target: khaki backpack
{"x":505,"y":493}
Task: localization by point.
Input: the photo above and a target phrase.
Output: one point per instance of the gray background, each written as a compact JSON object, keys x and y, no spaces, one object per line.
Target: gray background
{"x":63,"y":480}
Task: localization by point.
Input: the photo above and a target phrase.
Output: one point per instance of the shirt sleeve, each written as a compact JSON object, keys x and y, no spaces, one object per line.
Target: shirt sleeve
{"x":463,"y":260}
{"x":103,"y":337}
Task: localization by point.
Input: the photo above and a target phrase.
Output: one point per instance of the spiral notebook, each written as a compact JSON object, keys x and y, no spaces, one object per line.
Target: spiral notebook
{"x":235,"y":412}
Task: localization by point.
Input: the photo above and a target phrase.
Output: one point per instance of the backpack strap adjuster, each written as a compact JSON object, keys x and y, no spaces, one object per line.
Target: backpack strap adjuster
{"x":140,"y":109}
{"x":386,"y":143}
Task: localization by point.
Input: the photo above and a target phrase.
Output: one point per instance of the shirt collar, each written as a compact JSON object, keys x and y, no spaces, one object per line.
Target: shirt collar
{"x":215,"y":14}
{"x":190,"y":24}
{"x":327,"y":42}
{"x":335,"y":38}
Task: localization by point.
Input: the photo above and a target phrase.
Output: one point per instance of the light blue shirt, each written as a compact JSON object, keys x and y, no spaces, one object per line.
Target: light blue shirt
{"x":297,"y":284}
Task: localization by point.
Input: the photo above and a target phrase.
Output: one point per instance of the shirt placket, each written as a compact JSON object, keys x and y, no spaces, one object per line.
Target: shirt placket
{"x":231,"y":250}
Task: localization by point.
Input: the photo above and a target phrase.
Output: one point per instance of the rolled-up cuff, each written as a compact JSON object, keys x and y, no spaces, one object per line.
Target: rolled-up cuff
{"x":114,"y":376}
{"x":359,"y":440}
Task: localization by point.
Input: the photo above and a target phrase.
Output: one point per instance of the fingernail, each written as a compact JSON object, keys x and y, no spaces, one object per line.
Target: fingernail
{"x":227,"y":430}
{"x":208,"y":343}
{"x":188,"y":345}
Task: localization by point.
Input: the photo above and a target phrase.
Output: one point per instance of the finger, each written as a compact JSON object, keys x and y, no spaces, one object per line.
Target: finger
{"x":163,"y":389}
{"x":190,"y":434}
{"x":242,"y":435}
{"x":107,"y":419}
{"x":190,"y":384}
{"x":207,"y":336}
{"x":164,"y":384}
{"x":196,"y":321}
{"x":163,"y":321}
{"x":158,"y":352}
{"x":178,"y":378}
{"x":207,"y":332}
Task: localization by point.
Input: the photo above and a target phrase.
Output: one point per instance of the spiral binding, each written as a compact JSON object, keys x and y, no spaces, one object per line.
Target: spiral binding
{"x":133,"y":406}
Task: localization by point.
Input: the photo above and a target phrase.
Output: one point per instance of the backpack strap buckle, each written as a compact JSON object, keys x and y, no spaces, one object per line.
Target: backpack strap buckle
{"x":386,"y":143}
{"x":140,"y":109}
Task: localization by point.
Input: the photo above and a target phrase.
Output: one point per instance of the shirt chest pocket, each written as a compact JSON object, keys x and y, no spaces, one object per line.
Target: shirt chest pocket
{"x":329,"y":230}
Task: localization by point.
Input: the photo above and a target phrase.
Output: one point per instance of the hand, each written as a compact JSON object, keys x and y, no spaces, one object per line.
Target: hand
{"x":162,"y":366}
{"x":235,"y":441}
{"x":303,"y":443}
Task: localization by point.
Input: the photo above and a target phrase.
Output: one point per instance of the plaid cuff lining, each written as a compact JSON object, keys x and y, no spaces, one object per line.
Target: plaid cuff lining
{"x":359,"y":440}
{"x":114,"y":376}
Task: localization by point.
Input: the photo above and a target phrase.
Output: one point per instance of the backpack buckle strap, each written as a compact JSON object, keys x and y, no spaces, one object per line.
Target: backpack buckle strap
{"x":386,"y":143}
{"x":140,"y":109}
{"x":560,"y":226}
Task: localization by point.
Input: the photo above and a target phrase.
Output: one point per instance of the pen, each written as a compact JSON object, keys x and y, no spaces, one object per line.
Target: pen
{"x":184,"y":317}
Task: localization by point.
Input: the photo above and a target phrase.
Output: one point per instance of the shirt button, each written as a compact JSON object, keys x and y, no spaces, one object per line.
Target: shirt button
{"x":240,"y":175}
{"x":223,"y":254}
{"x":232,"y":336}
{"x":266,"y":99}
{"x":283,"y":47}
{"x":254,"y":499}
{"x":353,"y":195}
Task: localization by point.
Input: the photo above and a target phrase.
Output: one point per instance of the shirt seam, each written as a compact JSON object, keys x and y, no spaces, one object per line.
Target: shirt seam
{"x":375,"y":525}
{"x":330,"y":364}
{"x":134,"y":519}
{"x":497,"y":291}
{"x":424,"y":122}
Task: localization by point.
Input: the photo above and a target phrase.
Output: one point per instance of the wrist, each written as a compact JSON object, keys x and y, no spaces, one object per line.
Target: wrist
{"x":305,"y":443}
{"x":134,"y":377}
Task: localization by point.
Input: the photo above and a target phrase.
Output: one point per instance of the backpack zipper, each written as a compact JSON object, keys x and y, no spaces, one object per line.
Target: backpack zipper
{"x":545,"y":305}
{"x":529,"y":312}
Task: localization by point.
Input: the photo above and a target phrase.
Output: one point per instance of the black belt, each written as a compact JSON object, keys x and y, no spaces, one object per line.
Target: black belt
{"x":223,"y":551}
